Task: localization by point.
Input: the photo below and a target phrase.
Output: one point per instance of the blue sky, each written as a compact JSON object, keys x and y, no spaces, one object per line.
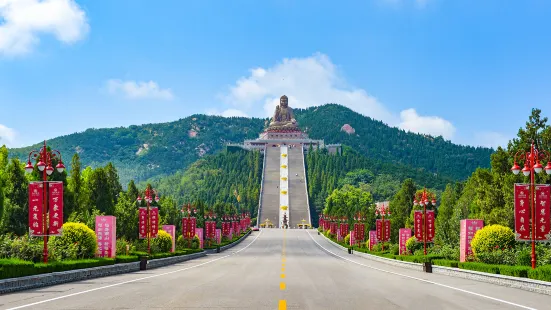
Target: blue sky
{"x":468,"y":70}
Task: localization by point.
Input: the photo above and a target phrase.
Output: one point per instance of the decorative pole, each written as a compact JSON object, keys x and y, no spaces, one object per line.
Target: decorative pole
{"x":382,"y":211}
{"x":532,"y":166}
{"x":45,"y":166}
{"x":148,"y":199}
{"x":423,"y":199}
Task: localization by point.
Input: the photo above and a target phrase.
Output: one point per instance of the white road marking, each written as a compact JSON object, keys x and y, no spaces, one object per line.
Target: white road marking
{"x":135,"y":280}
{"x":423,"y":280}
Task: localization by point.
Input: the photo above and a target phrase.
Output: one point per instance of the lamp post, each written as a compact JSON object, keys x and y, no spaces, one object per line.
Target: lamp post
{"x":208,"y":216}
{"x":187,"y":212}
{"x":532,"y":166}
{"x":382,"y":211}
{"x":148,"y":197}
{"x":44,"y":165}
{"x":423,"y":199}
{"x":359,"y":222}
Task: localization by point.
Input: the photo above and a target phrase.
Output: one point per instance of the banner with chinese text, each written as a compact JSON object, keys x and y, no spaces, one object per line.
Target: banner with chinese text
{"x":468,"y":229}
{"x":522,"y":212}
{"x":171,"y":230}
{"x":418,"y":225}
{"x":55,"y":191}
{"x":142,"y":222}
{"x":36,"y":204}
{"x":404,"y":235}
{"x":106,"y":235}
{"x":352,"y":239}
{"x":430,"y":225}
{"x":383,"y":231}
{"x":218,"y":235}
{"x":543,"y":193}
{"x":154,"y":213}
{"x":372,"y":239}
{"x":199,"y":234}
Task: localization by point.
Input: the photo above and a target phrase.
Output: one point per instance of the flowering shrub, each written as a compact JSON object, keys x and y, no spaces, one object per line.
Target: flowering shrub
{"x":182,"y":243}
{"x":76,"y":241}
{"x":412,"y":245}
{"x":25,"y":248}
{"x":347,"y":239}
{"x":492,"y":238}
{"x":163,"y":242}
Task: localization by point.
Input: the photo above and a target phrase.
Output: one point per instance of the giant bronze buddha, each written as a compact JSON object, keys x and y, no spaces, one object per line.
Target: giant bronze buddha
{"x":284,"y":118}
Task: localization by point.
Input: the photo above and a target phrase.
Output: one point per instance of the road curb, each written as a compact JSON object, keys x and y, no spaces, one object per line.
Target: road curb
{"x":54,"y":278}
{"x":229,"y":246}
{"x":524,"y":284}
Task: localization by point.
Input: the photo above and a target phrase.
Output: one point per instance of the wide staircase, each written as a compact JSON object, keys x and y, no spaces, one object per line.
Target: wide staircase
{"x":298,"y":199}
{"x":270,"y":187}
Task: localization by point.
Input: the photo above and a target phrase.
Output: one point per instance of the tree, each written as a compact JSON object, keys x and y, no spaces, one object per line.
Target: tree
{"x":126,"y":211}
{"x":445,"y":213}
{"x":400,"y":207}
{"x":75,"y":185}
{"x":15,"y":215}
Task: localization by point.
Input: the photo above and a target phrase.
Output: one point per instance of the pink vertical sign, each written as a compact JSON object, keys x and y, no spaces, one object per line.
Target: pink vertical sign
{"x":404,"y":235}
{"x":218,"y":235}
{"x":106,"y":235}
{"x":230,"y":236}
{"x":199,"y":234}
{"x":468,"y":230}
{"x":171,"y":230}
{"x":372,"y":239}
{"x":352,"y":239}
{"x":339,"y":237}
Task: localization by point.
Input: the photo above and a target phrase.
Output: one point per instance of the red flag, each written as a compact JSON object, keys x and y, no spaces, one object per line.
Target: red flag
{"x":418,"y":225}
{"x":154,"y":214}
{"x":142,"y":223}
{"x":430,"y":226}
{"x":522,"y":211}
{"x":56,"y":208}
{"x":379,"y":229}
{"x":36,"y":204}
{"x":542,"y":218}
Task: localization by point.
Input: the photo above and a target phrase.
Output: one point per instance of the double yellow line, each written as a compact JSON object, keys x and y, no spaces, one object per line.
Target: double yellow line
{"x":282,"y":302}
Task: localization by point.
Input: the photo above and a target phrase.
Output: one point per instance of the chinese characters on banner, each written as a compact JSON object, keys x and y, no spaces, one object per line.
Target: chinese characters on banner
{"x":339,"y":235}
{"x":380,"y":227}
{"x":199,"y":233}
{"x":352,"y":239}
{"x":226,"y":229}
{"x":372,"y":239}
{"x":467,"y":232}
{"x":333,"y":228}
{"x":218,"y":236}
{"x":142,"y":222}
{"x":36,"y":200}
{"x":359,"y":232}
{"x":430,"y":225}
{"x":543,"y":193}
{"x":154,"y":213}
{"x":210,"y":229}
{"x":405,"y":234}
{"x":106,"y":232}
{"x":344,"y":230}
{"x":55,"y":191}
{"x":418,"y":225}
{"x":235,"y":228}
{"x":327,"y":225}
{"x":171,"y":230}
{"x":522,"y":211}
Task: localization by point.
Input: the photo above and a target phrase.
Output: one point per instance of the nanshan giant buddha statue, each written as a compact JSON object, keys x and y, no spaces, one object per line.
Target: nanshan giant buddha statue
{"x":284,"y":118}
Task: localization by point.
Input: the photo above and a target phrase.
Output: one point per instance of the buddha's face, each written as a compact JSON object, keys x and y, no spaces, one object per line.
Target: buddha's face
{"x":283,"y":102}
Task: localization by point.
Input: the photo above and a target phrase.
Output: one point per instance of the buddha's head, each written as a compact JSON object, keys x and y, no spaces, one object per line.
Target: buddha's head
{"x":284,"y":101}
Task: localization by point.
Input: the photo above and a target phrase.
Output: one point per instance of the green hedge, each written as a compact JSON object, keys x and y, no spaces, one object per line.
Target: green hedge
{"x":481,"y":267}
{"x":514,"y":271}
{"x":11,"y":268}
{"x":122,"y":259}
{"x":446,"y":263}
{"x":542,"y":273}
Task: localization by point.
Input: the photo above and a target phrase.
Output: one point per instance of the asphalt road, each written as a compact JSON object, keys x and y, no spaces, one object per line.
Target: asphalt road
{"x":277,"y":269}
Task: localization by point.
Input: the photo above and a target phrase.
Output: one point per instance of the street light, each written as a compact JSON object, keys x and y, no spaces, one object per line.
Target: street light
{"x":382,"y":211}
{"x":532,"y":166}
{"x":148,"y":197}
{"x":424,"y":199}
{"x":44,"y":164}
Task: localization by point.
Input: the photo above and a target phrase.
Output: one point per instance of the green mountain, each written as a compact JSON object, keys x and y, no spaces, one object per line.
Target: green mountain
{"x":153,"y":150}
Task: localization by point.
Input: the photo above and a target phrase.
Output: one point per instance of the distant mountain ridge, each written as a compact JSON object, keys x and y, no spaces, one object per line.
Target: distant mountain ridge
{"x":152,"y":150}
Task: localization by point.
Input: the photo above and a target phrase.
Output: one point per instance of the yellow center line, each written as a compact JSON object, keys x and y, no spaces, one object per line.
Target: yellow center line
{"x":282,"y":269}
{"x":282,"y":286}
{"x":282,"y":304}
{"x":282,"y":275}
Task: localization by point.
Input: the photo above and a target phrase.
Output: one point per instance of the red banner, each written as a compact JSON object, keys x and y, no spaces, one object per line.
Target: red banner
{"x":154,"y":213}
{"x":188,"y":227}
{"x":235,"y":227}
{"x":380,"y":233}
{"x":36,"y":204}
{"x":344,"y":230}
{"x":210,"y":229}
{"x":543,"y":229}
{"x":142,"y":223}
{"x":55,"y":191}
{"x":522,"y":211}
{"x":467,"y":231}
{"x":106,"y":232}
{"x":226,"y":229}
{"x":430,"y":225}
{"x":404,"y":235}
{"x":333,"y":228}
{"x":418,"y":225}
{"x":372,"y":239}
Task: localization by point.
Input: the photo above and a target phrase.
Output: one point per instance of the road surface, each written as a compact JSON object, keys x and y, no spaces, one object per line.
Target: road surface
{"x":277,"y":269}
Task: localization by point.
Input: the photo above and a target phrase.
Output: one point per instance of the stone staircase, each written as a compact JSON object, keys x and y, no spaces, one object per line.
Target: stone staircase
{"x":298,"y":199}
{"x":269,"y":205}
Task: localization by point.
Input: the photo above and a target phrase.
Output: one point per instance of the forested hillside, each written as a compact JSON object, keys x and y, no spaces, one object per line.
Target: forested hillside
{"x":146,"y":151}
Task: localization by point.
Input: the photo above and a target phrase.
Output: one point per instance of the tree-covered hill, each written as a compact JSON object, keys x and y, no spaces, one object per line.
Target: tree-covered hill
{"x":151,"y":150}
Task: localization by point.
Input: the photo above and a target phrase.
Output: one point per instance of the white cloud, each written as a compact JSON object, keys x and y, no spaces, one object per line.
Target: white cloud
{"x":25,"y":20}
{"x":227,"y":113}
{"x":433,"y":125}
{"x":313,"y":81}
{"x":139,"y":90}
{"x":491,"y":139}
{"x":7,"y":135}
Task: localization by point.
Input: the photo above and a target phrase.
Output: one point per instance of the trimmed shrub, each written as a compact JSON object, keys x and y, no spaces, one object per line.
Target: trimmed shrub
{"x":446,"y":263}
{"x":121,"y":246}
{"x":412,"y":245}
{"x":498,"y":257}
{"x":347,"y":239}
{"x":481,"y":267}
{"x":395,"y":249}
{"x":122,"y":259}
{"x":514,"y":271}
{"x":13,"y":267}
{"x":76,"y":241}
{"x":163,"y":242}
{"x":542,"y":273}
{"x":492,"y":238}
